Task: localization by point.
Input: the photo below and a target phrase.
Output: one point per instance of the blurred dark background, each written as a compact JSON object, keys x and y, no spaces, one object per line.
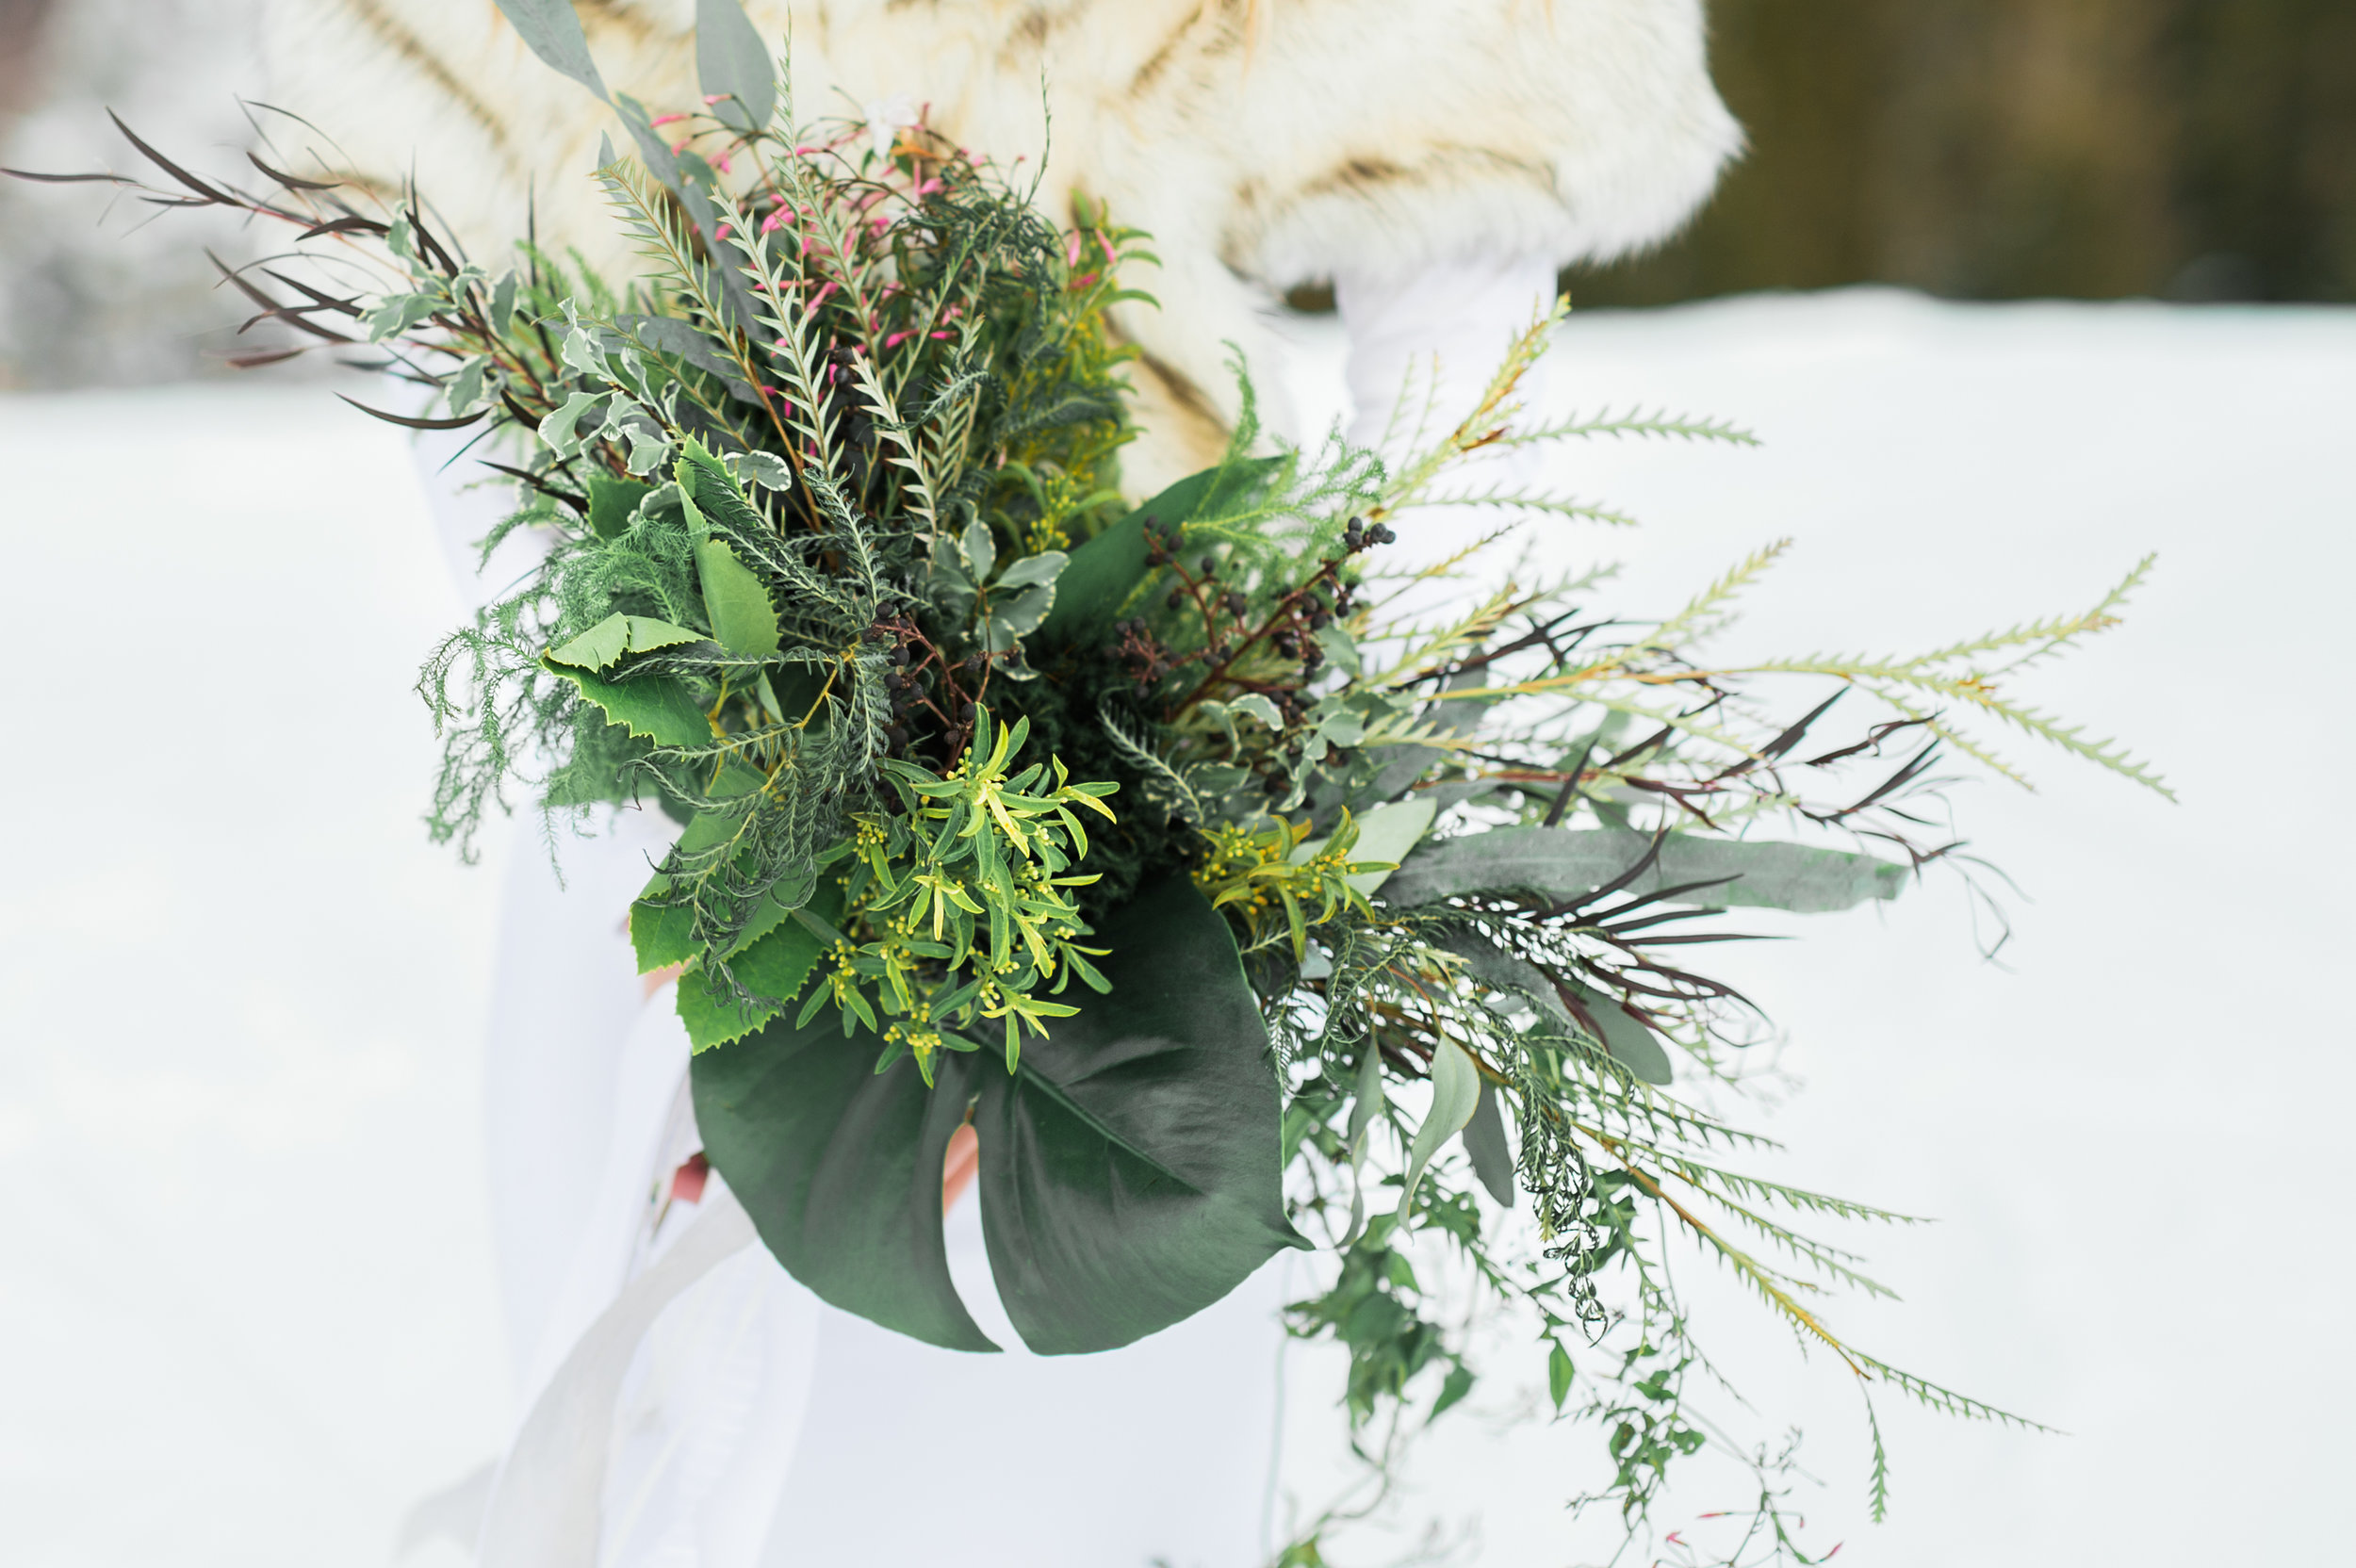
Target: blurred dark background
{"x":2191,"y":150}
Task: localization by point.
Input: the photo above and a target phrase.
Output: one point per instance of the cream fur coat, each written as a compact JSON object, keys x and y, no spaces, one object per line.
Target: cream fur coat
{"x":1264,"y":143}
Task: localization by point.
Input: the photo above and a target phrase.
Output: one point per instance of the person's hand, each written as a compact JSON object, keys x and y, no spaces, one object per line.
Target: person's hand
{"x":958,"y":1166}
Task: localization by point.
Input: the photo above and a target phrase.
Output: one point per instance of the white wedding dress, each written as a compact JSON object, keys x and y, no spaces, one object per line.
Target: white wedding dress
{"x":685,"y":1403}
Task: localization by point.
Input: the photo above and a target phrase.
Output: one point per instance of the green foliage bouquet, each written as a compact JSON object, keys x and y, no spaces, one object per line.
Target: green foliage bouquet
{"x":1244,"y":893}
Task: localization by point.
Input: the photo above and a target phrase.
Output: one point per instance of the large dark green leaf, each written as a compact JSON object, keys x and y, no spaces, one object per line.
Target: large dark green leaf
{"x":1131,"y":1174}
{"x":1566,"y":863}
{"x":1102,"y":571}
{"x":840,"y":1167}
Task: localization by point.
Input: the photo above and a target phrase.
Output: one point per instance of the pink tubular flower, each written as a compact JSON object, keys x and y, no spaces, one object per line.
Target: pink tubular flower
{"x":772,"y":224}
{"x":938,"y":334}
{"x":1084,"y":281}
{"x":711,"y":98}
{"x":896,"y":340}
{"x":721,"y":163}
{"x":682,"y":147}
{"x":722,"y":233}
{"x":668,"y":119}
{"x":1071,"y":250}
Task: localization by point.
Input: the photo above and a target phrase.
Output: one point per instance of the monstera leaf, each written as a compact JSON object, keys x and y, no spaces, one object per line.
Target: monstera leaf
{"x":1130,"y":1168}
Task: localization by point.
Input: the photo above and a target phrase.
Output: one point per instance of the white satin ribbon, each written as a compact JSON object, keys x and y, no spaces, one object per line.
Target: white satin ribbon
{"x":545,"y":1507}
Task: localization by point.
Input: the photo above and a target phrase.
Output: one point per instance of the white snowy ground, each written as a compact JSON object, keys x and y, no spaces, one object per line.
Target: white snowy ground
{"x":246,"y":1309}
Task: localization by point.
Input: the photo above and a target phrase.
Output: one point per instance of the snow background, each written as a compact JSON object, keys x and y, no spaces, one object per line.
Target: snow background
{"x":246,"y":1308}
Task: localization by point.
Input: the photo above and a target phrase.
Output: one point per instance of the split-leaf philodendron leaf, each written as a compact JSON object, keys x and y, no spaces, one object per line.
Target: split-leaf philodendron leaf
{"x":1131,"y":1173}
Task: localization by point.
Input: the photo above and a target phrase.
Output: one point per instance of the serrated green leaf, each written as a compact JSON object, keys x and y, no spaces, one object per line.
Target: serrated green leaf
{"x":617,"y":634}
{"x":775,"y":965}
{"x":661,"y":935}
{"x":742,"y":618}
{"x":656,"y":707}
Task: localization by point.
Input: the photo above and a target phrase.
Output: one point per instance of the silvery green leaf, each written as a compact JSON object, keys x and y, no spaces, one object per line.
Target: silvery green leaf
{"x":1566,"y":863}
{"x":1041,"y":569}
{"x":1343,"y":728}
{"x":1484,"y":1141}
{"x":1455,"y":1095}
{"x":684,"y":340}
{"x":1389,"y":833}
{"x":1365,"y":1104}
{"x":1260,"y":707}
{"x":395,"y":314}
{"x":557,"y":427}
{"x":401,"y":238}
{"x":553,"y":32}
{"x":766,"y":469}
{"x":981,"y":549}
{"x":1025,"y":610}
{"x":653,"y":151}
{"x":732,"y":64}
{"x":649,"y":449}
{"x":580,"y":353}
{"x":504,"y":304}
{"x":1340,"y":648}
{"x":467,"y":388}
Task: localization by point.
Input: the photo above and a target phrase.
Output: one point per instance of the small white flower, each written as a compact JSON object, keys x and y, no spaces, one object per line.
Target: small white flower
{"x":885,"y":116}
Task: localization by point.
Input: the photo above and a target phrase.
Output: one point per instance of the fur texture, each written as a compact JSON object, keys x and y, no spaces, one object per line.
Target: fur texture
{"x":1263,"y":142}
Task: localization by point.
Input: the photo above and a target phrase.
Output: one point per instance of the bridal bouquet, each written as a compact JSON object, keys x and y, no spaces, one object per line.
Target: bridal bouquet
{"x":1243,"y":887}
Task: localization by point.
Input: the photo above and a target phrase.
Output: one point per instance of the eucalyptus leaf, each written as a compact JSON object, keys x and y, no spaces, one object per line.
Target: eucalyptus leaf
{"x":1455,"y":1095}
{"x":552,"y":30}
{"x":733,"y":65}
{"x":1484,"y":1142}
{"x":685,"y":340}
{"x":1385,"y":833}
{"x":1567,"y":863}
